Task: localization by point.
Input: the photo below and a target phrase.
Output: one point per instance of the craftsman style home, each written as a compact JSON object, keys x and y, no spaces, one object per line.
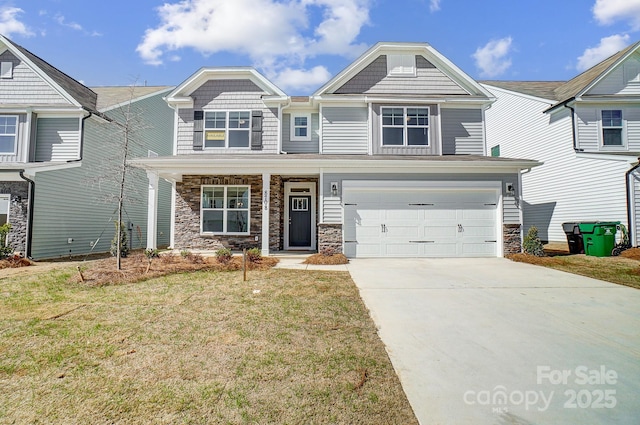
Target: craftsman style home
{"x":387,"y":159}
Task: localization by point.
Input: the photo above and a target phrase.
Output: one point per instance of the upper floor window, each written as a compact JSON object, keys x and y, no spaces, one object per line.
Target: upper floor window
{"x":6,"y":70}
{"x":225,"y":209}
{"x":405,"y":126}
{"x":8,"y":133}
{"x":227,"y":129}
{"x":401,"y":65}
{"x":612,"y":128}
{"x":301,"y":127}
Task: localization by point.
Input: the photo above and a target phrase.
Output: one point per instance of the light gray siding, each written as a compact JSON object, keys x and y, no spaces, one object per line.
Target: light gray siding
{"x":20,"y":143}
{"x":589,"y":127}
{"x":74,"y":203}
{"x":566,"y":187}
{"x":291,"y":146}
{"x":462,"y":131}
{"x":345,"y":130}
{"x":26,"y":87}
{"x":234,"y":95}
{"x":434,"y":138}
{"x":57,"y":139}
{"x":429,"y":80}
{"x":332,"y":209}
{"x":623,"y":80}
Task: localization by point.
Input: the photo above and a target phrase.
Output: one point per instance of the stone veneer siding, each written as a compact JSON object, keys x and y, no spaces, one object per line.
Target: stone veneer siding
{"x":18,"y":213}
{"x":330,"y":238}
{"x":512,"y":243}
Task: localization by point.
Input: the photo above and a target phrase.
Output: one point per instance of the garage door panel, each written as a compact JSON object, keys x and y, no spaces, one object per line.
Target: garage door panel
{"x":402,"y":249}
{"x":478,"y":249}
{"x":440,"y":232}
{"x":442,"y":249}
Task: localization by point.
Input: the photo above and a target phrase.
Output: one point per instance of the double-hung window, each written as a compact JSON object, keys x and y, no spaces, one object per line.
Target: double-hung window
{"x":301,"y":127}
{"x":612,"y":129}
{"x":225,"y":209}
{"x":8,"y":133}
{"x":227,"y":129}
{"x":405,"y":126}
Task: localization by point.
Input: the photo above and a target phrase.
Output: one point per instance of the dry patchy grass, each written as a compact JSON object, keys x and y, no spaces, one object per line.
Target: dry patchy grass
{"x":324,"y":260}
{"x":199,"y":347}
{"x":620,"y":270}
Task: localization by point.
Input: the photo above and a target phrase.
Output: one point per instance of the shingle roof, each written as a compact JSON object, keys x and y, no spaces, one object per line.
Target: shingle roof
{"x":543,"y":89}
{"x":82,"y":94}
{"x":112,"y":96}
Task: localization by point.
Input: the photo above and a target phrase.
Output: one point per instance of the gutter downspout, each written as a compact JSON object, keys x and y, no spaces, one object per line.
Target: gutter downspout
{"x":573,"y":128}
{"x":630,"y":217}
{"x":32,"y":189}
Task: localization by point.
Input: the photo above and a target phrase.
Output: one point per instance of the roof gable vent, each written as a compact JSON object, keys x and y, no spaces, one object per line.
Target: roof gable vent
{"x":401,"y":65}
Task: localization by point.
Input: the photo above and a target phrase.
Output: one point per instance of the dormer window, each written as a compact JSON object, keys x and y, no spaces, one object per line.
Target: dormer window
{"x":401,"y":65}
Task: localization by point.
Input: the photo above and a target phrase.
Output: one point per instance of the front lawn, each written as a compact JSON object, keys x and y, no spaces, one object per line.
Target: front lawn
{"x":284,"y":347}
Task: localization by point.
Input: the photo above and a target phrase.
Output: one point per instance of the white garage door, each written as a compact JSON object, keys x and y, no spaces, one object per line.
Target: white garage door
{"x":420,"y":223}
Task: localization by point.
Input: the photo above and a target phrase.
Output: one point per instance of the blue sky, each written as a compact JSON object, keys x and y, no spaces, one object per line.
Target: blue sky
{"x":300,"y":44}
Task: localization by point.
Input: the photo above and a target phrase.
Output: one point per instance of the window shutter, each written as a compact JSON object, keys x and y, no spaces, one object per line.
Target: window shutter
{"x":198,"y":122}
{"x":256,"y":130}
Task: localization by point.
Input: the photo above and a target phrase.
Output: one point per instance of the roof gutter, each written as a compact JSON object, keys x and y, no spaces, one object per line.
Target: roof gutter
{"x":30,"y":203}
{"x":630,"y":218}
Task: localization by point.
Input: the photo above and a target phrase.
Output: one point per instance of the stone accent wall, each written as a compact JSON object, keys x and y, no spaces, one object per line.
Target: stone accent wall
{"x":512,"y":243}
{"x":276,"y":213}
{"x":18,"y":213}
{"x":330,"y":238}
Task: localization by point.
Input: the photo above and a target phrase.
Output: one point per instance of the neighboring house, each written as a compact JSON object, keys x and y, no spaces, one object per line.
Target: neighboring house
{"x":385,"y":160}
{"x":55,"y":136}
{"x":586,"y":131}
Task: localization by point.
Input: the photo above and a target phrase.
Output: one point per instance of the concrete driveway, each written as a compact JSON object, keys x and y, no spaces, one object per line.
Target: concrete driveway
{"x":489,"y":341}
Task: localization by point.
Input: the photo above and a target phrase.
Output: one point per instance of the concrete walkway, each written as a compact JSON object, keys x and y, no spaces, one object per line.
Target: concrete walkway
{"x":490,"y":341}
{"x":296,"y":262}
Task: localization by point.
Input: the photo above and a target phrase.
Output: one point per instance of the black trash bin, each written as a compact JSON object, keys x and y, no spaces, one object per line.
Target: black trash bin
{"x":574,"y":237}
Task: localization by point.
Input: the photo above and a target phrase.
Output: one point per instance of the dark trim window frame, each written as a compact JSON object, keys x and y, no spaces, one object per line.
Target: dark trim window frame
{"x":227,"y":129}
{"x":225,"y":209}
{"x":406,"y":126}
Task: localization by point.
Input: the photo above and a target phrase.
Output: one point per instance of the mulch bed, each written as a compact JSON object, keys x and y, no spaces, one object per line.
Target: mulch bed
{"x":15,"y":262}
{"x":136,"y":268}
{"x":632,"y":253}
{"x":325,"y":260}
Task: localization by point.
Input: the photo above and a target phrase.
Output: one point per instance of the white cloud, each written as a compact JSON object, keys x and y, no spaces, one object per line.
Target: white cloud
{"x":10,"y":24}
{"x":609,"y":11}
{"x":60,"y":19}
{"x":492,"y":58}
{"x":276,"y":35}
{"x":300,"y":79}
{"x":607,"y":47}
{"x":434,"y":5}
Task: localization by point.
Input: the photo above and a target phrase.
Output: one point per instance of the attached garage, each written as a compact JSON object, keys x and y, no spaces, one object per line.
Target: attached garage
{"x":415,"y":219}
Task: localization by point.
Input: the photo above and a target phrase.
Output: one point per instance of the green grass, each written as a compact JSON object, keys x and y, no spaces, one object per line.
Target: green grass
{"x":194,"y":348}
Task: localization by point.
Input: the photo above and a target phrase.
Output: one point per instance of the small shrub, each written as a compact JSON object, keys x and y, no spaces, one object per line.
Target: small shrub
{"x":254,"y":255}
{"x":223,"y":255}
{"x":151,"y":253}
{"x":167,"y":258}
{"x":185,"y":253}
{"x":124,"y":248}
{"x":195,"y":258}
{"x":532,"y":244}
{"x":5,"y":251}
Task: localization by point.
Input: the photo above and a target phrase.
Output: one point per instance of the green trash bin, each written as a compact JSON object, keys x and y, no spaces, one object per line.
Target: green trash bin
{"x":599,"y":237}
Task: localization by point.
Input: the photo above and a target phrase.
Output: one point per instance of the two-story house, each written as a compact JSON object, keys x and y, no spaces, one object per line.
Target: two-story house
{"x":587,"y":133}
{"x":56,"y":136}
{"x":387,"y":159}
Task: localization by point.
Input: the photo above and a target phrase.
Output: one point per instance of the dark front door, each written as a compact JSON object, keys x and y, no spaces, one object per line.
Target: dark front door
{"x":299,"y":221}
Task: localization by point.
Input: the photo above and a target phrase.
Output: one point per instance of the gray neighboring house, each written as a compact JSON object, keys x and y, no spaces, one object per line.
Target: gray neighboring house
{"x":387,"y":159}
{"x":587,"y":133}
{"x":55,"y":135}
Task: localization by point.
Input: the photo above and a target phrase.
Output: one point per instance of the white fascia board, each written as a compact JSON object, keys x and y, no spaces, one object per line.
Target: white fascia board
{"x":179,"y":102}
{"x":57,"y":111}
{"x":52,"y":167}
{"x":550,"y":102}
{"x":135,"y":99}
{"x":607,"y":100}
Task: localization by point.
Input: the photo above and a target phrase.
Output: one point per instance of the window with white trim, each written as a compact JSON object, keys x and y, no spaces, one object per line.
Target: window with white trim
{"x":6,"y":70}
{"x":227,"y":129}
{"x":612,"y":128}
{"x":407,"y":126}
{"x":4,"y":208}
{"x":8,"y":133}
{"x":225,"y":210}
{"x":301,"y":127}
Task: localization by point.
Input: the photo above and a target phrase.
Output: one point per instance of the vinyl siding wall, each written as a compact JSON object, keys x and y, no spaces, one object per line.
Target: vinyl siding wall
{"x":623,"y":80}
{"x":345,"y":130}
{"x":332,"y":207}
{"x":57,"y":139}
{"x":228,"y":95}
{"x":429,"y":80}
{"x":68,"y":205}
{"x":566,"y":188}
{"x":26,"y":87}
{"x":462,"y":131}
{"x":589,"y":127}
{"x":310,"y":146}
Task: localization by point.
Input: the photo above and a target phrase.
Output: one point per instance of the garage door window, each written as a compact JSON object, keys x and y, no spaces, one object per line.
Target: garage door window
{"x":405,"y":126}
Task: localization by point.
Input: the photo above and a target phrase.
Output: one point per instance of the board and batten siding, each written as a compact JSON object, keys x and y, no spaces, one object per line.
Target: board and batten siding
{"x":434,"y":137}
{"x":589,"y":127}
{"x":429,"y":80}
{"x":68,"y":205}
{"x":305,"y":146}
{"x":57,"y":139}
{"x":332,"y":205}
{"x":228,"y":95}
{"x":345,"y":130}
{"x":622,"y":80}
{"x":462,"y":131}
{"x":566,"y":187}
{"x":26,"y":87}
{"x":20,"y":142}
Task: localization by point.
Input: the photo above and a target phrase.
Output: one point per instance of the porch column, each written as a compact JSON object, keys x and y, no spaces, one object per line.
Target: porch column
{"x":266,"y":182}
{"x":152,"y":210}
